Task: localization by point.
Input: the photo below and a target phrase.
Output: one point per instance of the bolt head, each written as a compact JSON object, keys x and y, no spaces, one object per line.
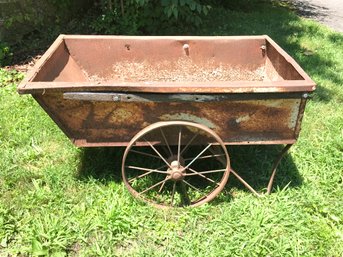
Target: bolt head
{"x":174,"y":164}
{"x":305,"y":95}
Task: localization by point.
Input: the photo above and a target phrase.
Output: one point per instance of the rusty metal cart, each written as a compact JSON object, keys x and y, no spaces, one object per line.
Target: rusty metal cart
{"x":175,"y":103}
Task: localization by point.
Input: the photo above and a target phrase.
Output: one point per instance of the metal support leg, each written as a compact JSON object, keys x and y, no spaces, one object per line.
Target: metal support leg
{"x":271,"y":180}
{"x":245,"y":183}
{"x":276,"y":164}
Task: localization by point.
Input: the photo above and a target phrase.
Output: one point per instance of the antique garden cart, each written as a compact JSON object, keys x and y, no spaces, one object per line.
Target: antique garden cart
{"x":175,"y":103}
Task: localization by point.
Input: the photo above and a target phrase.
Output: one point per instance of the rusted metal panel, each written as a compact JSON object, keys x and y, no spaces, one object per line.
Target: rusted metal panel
{"x":110,"y":112}
{"x":156,"y":87}
{"x":240,"y":51}
{"x":280,"y":66}
{"x":84,"y":143}
{"x":60,"y":68}
{"x":236,"y":120}
{"x":71,"y":57}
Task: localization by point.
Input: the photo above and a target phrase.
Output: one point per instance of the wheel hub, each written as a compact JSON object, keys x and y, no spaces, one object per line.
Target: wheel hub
{"x":176,"y":171}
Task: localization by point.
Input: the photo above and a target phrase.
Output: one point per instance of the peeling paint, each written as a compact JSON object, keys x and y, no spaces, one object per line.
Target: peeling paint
{"x":263,"y":120}
{"x":243,"y":118}
{"x":187,"y":117}
{"x":294,"y":115}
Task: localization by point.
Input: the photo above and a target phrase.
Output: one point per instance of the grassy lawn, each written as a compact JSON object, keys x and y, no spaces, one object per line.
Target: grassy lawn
{"x":58,"y":200}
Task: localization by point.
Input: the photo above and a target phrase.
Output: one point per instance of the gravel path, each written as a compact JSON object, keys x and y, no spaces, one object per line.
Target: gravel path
{"x":328,"y":12}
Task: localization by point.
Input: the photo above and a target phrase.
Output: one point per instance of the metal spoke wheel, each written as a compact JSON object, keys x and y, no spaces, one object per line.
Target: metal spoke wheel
{"x":176,"y":163}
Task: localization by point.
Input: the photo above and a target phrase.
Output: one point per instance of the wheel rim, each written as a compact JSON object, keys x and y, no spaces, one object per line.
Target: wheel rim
{"x":175,"y":163}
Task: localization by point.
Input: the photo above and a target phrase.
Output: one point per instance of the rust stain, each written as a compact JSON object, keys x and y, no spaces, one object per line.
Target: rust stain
{"x":267,"y":115}
{"x":243,"y":118}
{"x":234,"y":120}
{"x":187,"y":117}
{"x":65,"y":63}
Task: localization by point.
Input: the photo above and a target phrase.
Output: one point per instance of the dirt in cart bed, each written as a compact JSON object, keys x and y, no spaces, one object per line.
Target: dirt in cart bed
{"x":178,"y":71}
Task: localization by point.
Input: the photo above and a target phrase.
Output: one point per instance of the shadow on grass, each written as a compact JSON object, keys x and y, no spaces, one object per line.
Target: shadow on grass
{"x":309,"y":10}
{"x":252,"y":163}
{"x":290,"y":32}
{"x":103,"y":164}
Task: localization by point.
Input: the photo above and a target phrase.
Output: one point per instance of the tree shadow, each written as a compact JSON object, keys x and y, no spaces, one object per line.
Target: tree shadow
{"x":309,"y":10}
{"x":286,"y":28}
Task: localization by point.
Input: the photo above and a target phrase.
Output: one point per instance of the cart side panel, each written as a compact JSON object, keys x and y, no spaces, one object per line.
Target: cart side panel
{"x":237,"y":121}
{"x":278,"y":65}
{"x":60,"y":67}
{"x":97,"y":56}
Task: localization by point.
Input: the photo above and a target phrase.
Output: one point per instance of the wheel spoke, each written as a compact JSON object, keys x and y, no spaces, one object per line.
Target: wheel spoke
{"x":173,"y":193}
{"x":219,"y":158}
{"x":203,"y":176}
{"x":145,"y":174}
{"x":145,"y":169}
{"x":189,"y":184}
{"x":189,"y":164}
{"x":206,"y":157}
{"x":166,"y":142}
{"x":160,"y":190}
{"x":146,"y":154}
{"x":153,"y":186}
{"x":179,"y":147}
{"x":158,"y":153}
{"x":206,"y":172}
{"x":188,"y":144}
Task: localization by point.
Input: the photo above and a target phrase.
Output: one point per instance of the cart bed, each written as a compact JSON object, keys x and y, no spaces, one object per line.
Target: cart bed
{"x":102,"y":90}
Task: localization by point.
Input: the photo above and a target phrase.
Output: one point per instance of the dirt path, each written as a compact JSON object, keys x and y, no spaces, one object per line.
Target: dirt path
{"x":328,"y":12}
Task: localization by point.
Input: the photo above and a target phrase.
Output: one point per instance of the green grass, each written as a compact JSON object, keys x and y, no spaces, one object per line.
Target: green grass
{"x":58,"y":200}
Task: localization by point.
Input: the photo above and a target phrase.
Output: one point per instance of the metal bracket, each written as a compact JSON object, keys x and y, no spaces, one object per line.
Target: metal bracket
{"x":143,"y":97}
{"x":170,"y":97}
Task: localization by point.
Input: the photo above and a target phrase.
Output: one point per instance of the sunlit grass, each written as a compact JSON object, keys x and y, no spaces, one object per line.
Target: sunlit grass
{"x":57,"y":200}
